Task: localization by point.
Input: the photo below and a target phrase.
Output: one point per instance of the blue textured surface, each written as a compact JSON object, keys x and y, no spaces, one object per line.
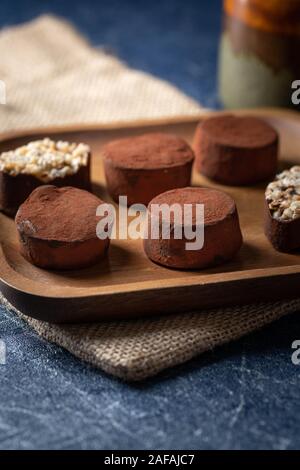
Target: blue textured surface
{"x":173,"y":39}
{"x":244,"y":395}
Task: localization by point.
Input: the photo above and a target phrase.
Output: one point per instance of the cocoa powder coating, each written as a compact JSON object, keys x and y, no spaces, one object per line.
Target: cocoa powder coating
{"x":57,"y":228}
{"x":62,"y":214}
{"x":149,"y":151}
{"x":218,"y":205}
{"x":143,"y":167}
{"x":234,"y":131}
{"x":222,"y":234}
{"x":236,"y":150}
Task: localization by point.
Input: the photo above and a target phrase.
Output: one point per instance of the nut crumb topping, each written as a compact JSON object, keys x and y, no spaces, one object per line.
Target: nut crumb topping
{"x":45,"y":159}
{"x":283,"y":195}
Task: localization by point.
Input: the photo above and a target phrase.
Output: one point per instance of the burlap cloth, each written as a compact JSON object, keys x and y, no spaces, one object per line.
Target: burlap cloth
{"x":54,"y":77}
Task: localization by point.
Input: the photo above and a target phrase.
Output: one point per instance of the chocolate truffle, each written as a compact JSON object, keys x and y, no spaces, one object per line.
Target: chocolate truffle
{"x":236,"y":150}
{"x":41,"y":162}
{"x":143,"y":167}
{"x":57,"y":228}
{"x":282,"y":211}
{"x":222,"y":234}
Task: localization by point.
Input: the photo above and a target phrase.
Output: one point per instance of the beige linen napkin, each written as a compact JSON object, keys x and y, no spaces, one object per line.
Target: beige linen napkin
{"x":53,"y":77}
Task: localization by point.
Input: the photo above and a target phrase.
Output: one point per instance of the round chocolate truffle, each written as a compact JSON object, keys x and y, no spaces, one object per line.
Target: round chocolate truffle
{"x":236,"y":150}
{"x":282,"y":211}
{"x":220,"y":225}
{"x":57,"y":228}
{"x":45,"y":161}
{"x":143,"y":167}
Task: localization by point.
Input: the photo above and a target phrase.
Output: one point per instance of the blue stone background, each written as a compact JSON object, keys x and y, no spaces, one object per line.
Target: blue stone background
{"x":241,"y":396}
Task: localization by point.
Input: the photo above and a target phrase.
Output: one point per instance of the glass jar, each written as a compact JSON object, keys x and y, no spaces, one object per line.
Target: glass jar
{"x":259,"y":52}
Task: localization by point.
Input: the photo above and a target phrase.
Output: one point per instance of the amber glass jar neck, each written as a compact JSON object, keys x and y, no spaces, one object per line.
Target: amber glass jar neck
{"x":274,"y":16}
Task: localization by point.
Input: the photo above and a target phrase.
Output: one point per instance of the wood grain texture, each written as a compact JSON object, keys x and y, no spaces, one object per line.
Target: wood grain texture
{"x":127,"y":284}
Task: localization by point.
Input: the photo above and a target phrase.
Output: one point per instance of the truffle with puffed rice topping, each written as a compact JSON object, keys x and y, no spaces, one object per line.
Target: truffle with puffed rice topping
{"x":41,"y":162}
{"x":282,"y":208}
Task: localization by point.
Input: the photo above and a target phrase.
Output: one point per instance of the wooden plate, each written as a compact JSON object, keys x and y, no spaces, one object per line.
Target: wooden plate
{"x":127,"y":284}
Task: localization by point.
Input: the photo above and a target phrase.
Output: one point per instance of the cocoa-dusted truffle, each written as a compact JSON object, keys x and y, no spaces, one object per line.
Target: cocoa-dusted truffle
{"x":282,"y":211}
{"x":41,"y":162}
{"x":143,"y":167}
{"x":236,"y":150}
{"x":222,"y":234}
{"x":57,"y":228}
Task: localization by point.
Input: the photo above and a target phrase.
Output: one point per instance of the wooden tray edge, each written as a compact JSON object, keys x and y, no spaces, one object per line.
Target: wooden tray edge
{"x":126,"y":305}
{"x":262,"y":112}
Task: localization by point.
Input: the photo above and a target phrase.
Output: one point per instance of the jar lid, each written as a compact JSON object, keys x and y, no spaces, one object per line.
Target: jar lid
{"x":274,"y":16}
